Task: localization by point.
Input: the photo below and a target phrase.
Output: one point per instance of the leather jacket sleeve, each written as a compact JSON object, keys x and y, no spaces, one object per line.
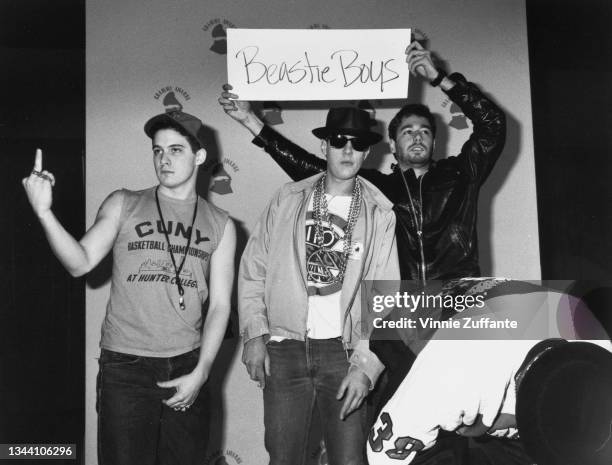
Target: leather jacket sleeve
{"x":480,"y":152}
{"x":299,"y":163}
{"x":293,"y":159}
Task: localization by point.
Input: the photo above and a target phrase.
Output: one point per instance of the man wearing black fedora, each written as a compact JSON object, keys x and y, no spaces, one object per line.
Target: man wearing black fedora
{"x":299,"y":290}
{"x":435,"y":201}
{"x":172,"y":252}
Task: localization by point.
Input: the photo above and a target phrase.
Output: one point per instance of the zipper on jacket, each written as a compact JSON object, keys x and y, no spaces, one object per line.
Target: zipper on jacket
{"x":418,"y":223}
{"x":420,"y":231}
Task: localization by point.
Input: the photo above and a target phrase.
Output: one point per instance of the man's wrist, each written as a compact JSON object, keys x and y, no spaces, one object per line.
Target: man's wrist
{"x":261,"y":338}
{"x":438,"y":79}
{"x":253,"y":124}
{"x":447,"y":84}
{"x":357,"y":371}
{"x":202,"y":370}
{"x":44,"y":215}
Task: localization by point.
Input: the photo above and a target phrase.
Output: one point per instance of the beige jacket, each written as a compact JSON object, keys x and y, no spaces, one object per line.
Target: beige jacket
{"x":272,"y":286}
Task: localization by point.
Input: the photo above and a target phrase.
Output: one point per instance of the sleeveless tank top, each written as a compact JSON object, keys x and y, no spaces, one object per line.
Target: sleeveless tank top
{"x":143,"y":316}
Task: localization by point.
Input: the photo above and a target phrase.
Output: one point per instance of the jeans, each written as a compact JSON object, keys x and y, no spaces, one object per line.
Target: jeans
{"x":304,"y":378}
{"x":134,"y":426}
{"x":451,"y":449}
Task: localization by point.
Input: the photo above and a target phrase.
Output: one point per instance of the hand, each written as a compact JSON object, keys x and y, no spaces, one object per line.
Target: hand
{"x":420,"y":62}
{"x":240,"y":110}
{"x":38,"y":186}
{"x":187,"y":389}
{"x":503,"y":421}
{"x":255,"y":357}
{"x":354,"y":388}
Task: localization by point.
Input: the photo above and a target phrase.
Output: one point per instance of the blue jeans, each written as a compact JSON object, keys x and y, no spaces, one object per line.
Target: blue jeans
{"x":134,"y":426}
{"x":305,"y":374}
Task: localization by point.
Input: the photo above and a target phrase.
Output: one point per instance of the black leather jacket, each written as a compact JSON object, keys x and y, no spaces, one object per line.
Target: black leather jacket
{"x":446,"y":196}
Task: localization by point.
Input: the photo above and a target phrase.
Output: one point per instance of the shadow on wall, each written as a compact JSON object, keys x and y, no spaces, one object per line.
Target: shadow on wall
{"x":101,"y":274}
{"x":230,"y":349}
{"x":490,"y":189}
{"x":213,"y":159}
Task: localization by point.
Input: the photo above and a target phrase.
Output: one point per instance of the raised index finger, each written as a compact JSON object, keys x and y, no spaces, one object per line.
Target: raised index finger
{"x":38,"y":160}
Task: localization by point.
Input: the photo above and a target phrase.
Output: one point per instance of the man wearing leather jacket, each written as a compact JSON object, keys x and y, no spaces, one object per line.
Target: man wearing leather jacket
{"x":435,"y":201}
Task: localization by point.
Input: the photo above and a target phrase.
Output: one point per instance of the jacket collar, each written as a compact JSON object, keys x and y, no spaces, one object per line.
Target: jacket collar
{"x":369,"y":191}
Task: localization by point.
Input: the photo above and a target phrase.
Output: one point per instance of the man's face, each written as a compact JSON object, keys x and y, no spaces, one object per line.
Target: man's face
{"x":343,"y":163}
{"x":175,"y":162}
{"x":413,"y":145}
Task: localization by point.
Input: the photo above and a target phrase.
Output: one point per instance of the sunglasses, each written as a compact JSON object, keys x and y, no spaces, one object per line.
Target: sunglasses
{"x":338,"y":141}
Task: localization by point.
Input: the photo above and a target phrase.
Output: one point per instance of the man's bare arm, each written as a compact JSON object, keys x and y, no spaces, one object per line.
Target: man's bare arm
{"x":293,"y":159}
{"x":240,"y":110}
{"x":220,"y":291}
{"x":78,"y":257}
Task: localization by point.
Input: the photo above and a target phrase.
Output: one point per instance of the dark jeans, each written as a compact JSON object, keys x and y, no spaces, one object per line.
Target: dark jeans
{"x":452,"y":449}
{"x":305,"y":377}
{"x":134,"y":426}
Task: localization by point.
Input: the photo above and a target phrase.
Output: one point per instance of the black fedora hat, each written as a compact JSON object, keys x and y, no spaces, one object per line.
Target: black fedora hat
{"x":564,"y":404}
{"x":350,"y":121}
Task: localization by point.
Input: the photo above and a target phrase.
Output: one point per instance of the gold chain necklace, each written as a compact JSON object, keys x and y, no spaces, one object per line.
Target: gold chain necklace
{"x":321,"y":214}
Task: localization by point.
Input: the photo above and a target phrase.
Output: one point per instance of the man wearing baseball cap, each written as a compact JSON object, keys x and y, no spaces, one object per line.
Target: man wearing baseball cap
{"x":299,"y":288}
{"x":172,"y":252}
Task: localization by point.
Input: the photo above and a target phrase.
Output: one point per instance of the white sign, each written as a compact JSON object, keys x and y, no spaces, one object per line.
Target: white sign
{"x":316,"y":64}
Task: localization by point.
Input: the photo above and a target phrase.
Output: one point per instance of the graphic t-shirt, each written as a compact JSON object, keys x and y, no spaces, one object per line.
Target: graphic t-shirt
{"x":143,"y":316}
{"x":323,"y":266}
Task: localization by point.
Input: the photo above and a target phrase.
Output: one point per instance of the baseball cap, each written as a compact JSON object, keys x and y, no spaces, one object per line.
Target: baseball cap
{"x":189,"y":123}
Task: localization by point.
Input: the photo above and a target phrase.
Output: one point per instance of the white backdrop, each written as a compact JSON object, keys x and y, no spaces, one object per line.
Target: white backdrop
{"x":146,"y":55}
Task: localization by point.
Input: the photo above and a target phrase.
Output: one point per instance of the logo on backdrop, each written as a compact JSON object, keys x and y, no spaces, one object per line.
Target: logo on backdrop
{"x":272,"y":113}
{"x":171,"y":97}
{"x":227,"y":457}
{"x":221,"y":176}
{"x":217,"y":29}
{"x":318,"y":26}
{"x":458,"y":119}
